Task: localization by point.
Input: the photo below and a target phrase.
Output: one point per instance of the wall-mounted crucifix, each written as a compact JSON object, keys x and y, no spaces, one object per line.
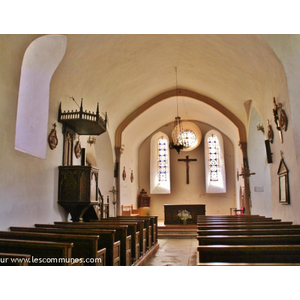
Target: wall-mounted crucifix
{"x":187,"y":160}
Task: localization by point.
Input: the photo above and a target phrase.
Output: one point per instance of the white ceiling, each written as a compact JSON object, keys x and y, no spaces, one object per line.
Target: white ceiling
{"x":122,"y":72}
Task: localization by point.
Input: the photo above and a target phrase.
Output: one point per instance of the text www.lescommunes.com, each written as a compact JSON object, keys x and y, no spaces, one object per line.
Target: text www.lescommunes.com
{"x":49,"y":260}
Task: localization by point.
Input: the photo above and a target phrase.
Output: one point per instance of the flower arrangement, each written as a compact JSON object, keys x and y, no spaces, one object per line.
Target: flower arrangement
{"x":184,"y":215}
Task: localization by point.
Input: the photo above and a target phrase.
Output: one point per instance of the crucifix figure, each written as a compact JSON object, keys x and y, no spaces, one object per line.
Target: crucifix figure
{"x":187,"y":160}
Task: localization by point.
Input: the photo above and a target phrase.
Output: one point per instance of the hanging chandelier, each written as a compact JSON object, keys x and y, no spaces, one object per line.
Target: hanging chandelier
{"x":177,"y":142}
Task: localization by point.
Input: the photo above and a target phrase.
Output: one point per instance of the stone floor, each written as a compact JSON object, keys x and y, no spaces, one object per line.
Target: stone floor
{"x":175,"y":252}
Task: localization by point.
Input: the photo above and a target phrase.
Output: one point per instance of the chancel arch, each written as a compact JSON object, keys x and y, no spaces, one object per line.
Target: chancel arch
{"x":138,"y":127}
{"x":183,"y":93}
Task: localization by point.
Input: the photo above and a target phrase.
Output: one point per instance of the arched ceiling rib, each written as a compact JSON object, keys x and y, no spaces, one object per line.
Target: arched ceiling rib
{"x":192,"y":106}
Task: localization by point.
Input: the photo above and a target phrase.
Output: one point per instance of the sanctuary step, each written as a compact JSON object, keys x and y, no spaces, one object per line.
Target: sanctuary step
{"x":177,"y":232}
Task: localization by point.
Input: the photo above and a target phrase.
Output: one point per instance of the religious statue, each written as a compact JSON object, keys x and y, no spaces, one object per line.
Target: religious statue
{"x":280,"y":118}
{"x":270,"y":133}
{"x":52,"y":138}
{"x":77,"y":148}
{"x":187,"y":160}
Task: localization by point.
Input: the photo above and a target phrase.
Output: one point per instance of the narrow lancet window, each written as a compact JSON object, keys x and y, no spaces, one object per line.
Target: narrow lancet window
{"x":214,"y":163}
{"x":163,"y":167}
{"x":159,"y":164}
{"x":213,"y":157}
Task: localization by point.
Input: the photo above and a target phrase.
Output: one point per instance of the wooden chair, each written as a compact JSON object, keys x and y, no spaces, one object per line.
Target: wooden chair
{"x":237,"y":211}
{"x":127,"y":210}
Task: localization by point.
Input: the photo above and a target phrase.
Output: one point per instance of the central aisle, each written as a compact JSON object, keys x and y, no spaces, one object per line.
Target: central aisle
{"x":175,"y":252}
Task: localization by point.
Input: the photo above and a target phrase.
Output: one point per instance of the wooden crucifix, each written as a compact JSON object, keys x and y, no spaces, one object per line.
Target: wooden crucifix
{"x":187,"y":160}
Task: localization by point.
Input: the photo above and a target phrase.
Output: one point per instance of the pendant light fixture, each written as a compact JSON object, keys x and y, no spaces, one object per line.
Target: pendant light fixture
{"x":177,"y":142}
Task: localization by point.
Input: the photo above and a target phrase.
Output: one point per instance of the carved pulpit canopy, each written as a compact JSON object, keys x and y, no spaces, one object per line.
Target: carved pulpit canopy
{"x":79,"y":122}
{"x":83,"y":122}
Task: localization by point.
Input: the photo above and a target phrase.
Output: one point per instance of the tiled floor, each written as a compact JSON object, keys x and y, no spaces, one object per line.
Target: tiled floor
{"x":175,"y":252}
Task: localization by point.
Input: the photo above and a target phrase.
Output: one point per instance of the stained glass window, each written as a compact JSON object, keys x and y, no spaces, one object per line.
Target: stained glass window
{"x":162,"y":159}
{"x":189,"y":138}
{"x":160,"y":164}
{"x":213,"y":159}
{"x":215,"y":173}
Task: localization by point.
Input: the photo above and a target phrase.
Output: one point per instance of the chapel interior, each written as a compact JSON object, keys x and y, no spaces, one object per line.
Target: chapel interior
{"x":234,"y":85}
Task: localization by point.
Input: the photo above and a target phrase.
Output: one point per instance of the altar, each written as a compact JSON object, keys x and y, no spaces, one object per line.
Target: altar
{"x":171,"y":212}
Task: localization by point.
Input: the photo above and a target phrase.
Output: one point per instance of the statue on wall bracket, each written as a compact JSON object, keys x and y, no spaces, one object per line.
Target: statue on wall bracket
{"x":77,"y":148}
{"x":270,"y":132}
{"x":52,"y":138}
{"x":280,"y":118}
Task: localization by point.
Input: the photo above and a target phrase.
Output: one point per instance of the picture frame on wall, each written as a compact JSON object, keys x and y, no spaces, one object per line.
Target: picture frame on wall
{"x":283,"y":175}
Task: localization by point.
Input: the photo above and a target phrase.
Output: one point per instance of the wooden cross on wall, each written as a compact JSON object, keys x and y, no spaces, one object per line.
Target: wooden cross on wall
{"x":187,"y":160}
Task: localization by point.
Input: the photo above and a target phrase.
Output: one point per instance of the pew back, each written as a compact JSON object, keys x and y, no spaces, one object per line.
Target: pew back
{"x":249,"y":240}
{"x":13,"y":259}
{"x":121,"y":234}
{"x":42,"y":253}
{"x":250,"y":254}
{"x":107,"y":239}
{"x":83,"y":246}
{"x":272,"y":231}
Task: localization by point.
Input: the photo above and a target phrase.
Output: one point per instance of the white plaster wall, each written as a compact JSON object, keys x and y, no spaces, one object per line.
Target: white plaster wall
{"x":29,"y":185}
{"x":105,"y":163}
{"x":129,"y":189}
{"x":287,"y":48}
{"x":260,"y":183}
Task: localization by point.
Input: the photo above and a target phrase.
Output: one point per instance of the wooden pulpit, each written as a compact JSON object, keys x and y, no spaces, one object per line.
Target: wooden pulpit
{"x":78,"y":192}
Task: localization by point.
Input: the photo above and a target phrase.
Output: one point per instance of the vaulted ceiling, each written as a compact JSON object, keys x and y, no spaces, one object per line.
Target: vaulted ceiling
{"x":123,"y":72}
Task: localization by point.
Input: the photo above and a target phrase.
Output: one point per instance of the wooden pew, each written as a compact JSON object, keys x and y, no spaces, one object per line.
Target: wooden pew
{"x":147,"y":222}
{"x":248,"y":226}
{"x":151,"y":223}
{"x":143,"y":232}
{"x":154,"y":227}
{"x":273,"y":231}
{"x":236,"y":222}
{"x":107,"y":239}
{"x":12,"y":259}
{"x":244,"y":218}
{"x":228,"y":216}
{"x":83,"y":246}
{"x":246,"y":264}
{"x":249,"y":240}
{"x":42,"y":253}
{"x":133,"y":231}
{"x":121,"y":234}
{"x":249,"y":254}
